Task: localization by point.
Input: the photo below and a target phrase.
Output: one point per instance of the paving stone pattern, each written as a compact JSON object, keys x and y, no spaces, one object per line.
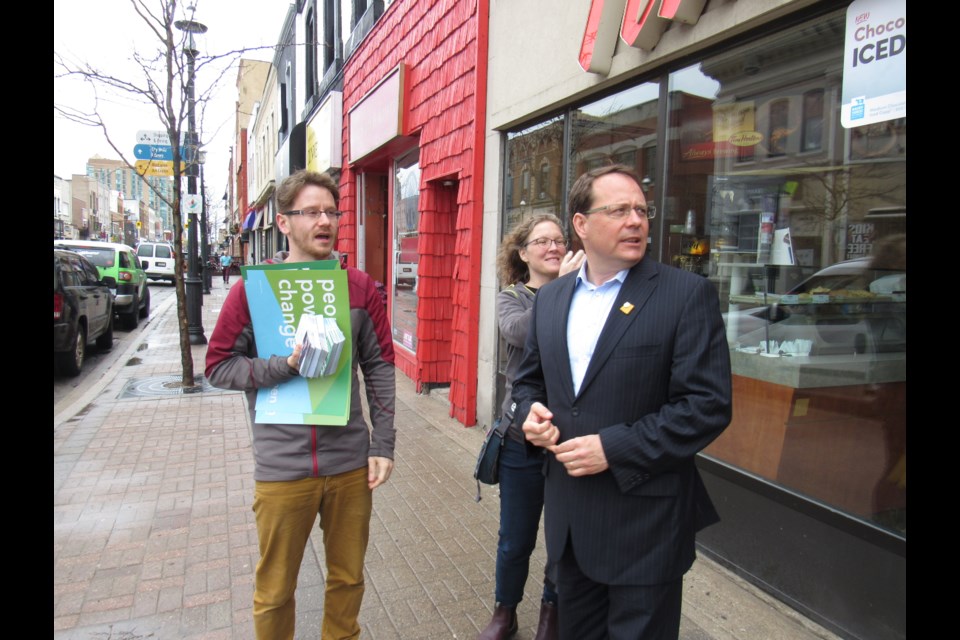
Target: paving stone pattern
{"x":154,"y":536}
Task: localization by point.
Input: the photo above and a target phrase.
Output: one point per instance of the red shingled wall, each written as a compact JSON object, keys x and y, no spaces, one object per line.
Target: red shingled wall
{"x":443,"y":44}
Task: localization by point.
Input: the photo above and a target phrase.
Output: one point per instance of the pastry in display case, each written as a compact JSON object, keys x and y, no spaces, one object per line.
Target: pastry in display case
{"x":848,"y":308}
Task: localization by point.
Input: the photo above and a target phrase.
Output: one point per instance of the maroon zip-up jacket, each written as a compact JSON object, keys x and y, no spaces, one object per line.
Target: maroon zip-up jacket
{"x":294,"y":451}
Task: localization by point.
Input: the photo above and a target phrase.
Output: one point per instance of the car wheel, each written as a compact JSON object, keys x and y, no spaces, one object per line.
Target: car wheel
{"x":71,"y":361}
{"x":132,"y":318}
{"x":145,"y":309}
{"x":105,"y":340}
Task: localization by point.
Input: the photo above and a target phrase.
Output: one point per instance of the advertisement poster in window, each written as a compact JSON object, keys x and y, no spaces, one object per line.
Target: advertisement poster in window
{"x":875,"y":63}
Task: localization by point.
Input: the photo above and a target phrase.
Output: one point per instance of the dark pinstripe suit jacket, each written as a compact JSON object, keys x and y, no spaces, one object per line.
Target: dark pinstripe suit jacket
{"x":657,"y":391}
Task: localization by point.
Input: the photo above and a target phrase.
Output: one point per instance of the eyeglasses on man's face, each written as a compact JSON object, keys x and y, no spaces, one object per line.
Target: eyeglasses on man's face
{"x":314,"y":214}
{"x":544,"y":243}
{"x":622,"y":210}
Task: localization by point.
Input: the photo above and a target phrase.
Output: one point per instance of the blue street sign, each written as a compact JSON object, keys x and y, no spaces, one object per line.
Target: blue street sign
{"x":153,"y":152}
{"x":161,"y":152}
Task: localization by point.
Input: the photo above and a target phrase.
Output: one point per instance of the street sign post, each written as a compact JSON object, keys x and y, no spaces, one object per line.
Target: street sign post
{"x":154,"y":153}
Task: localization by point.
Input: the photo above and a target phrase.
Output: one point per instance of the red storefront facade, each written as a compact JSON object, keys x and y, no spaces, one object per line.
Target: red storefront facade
{"x":413,"y":145}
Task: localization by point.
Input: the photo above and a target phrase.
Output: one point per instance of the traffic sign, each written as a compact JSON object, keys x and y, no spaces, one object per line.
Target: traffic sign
{"x":153,"y":152}
{"x":157,"y":167}
{"x":157,"y":137}
{"x":192,"y":203}
{"x":153,"y":137}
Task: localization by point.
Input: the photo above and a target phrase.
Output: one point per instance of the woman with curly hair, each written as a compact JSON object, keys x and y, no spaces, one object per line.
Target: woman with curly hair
{"x":530,"y":256}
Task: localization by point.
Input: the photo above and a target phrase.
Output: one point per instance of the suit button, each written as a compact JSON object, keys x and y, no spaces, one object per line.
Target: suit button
{"x":575,"y":412}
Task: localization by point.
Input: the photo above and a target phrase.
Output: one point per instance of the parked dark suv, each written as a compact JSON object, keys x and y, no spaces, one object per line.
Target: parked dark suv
{"x":131,"y":294}
{"x":82,"y":310}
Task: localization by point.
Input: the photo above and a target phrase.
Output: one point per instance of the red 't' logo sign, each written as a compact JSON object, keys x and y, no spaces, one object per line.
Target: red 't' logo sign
{"x":640,"y":22}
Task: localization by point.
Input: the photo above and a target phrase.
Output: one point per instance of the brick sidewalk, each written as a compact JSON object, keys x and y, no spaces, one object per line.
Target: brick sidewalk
{"x":154,"y":536}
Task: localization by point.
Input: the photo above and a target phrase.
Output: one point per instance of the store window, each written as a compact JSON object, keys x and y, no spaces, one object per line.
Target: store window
{"x":540,"y":145}
{"x":310,"y":24}
{"x":800,"y":225}
{"x":406,"y":225}
{"x":330,"y":35}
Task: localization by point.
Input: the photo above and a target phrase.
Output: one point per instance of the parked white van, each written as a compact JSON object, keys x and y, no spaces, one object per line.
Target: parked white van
{"x":157,"y":260}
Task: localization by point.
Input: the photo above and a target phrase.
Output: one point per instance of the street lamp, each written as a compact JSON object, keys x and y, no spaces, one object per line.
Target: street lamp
{"x":204,"y":231}
{"x":192,"y":282}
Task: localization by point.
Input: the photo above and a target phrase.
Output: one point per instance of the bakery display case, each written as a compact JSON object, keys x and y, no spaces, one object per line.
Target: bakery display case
{"x":820,"y":387}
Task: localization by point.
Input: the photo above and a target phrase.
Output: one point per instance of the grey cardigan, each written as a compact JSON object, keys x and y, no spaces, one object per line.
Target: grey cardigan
{"x":514,"y":309}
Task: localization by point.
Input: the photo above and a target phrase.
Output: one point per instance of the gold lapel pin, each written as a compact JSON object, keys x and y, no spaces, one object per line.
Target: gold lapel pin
{"x":627,"y":308}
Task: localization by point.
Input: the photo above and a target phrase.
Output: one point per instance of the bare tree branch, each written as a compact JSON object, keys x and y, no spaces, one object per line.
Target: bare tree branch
{"x":162,"y":81}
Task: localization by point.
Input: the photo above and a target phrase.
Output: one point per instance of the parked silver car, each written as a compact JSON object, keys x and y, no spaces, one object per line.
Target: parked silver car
{"x":848,"y":307}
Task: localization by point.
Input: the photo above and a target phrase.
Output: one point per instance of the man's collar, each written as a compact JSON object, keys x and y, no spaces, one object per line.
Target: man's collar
{"x":582,"y":275}
{"x":284,"y":256}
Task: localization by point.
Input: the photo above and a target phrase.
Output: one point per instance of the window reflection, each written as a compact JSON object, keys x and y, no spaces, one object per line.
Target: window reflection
{"x":613,"y":129}
{"x":812,"y":120}
{"x":406,"y":224}
{"x":806,"y":228}
{"x":540,"y":146}
{"x":800,"y":226}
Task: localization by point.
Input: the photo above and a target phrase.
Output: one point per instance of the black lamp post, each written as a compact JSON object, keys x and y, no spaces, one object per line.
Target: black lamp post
{"x":193,"y":281}
{"x":204,"y":230}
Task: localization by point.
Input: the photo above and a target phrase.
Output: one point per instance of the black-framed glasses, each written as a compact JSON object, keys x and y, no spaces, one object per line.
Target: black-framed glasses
{"x":313,"y":214}
{"x":620,"y":211}
{"x":544,"y":243}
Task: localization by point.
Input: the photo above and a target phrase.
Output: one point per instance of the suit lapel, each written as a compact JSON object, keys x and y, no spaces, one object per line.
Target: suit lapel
{"x":560,"y":358}
{"x":635,"y":292}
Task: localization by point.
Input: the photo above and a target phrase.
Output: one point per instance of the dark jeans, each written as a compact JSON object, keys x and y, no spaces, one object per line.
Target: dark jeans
{"x":521,"y":503}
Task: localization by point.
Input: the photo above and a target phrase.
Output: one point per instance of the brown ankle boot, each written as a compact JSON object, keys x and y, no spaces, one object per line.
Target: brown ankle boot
{"x":547,"y":629}
{"x":502,"y":625}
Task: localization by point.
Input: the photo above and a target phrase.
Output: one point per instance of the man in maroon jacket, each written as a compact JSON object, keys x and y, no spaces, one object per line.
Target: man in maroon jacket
{"x":305,"y":470}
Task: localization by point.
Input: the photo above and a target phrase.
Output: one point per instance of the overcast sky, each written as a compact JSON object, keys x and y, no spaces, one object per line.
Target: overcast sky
{"x":105,"y":33}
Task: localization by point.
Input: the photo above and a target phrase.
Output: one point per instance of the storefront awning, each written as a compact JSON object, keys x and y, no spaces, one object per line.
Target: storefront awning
{"x":249,"y":220}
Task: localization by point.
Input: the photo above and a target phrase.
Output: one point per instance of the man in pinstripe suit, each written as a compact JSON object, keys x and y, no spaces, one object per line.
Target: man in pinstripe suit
{"x":625,"y":377}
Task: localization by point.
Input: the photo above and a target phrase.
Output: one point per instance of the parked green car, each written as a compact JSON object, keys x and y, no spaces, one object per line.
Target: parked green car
{"x":118,"y":261}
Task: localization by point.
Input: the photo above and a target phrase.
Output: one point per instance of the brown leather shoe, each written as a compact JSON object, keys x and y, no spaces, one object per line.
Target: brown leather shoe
{"x":547,"y":629}
{"x":502,"y":625}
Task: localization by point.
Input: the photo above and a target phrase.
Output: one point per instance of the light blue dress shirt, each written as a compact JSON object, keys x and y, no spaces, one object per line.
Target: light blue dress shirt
{"x":589,"y":309}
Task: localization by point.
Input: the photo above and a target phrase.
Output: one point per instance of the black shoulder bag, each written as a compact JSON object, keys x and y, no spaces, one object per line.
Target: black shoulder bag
{"x":487,"y":470}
